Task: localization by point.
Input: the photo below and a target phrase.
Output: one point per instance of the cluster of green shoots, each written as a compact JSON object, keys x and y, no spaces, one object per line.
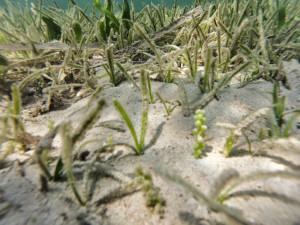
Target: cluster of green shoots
{"x":199,"y":131}
{"x":280,"y":125}
{"x":153,"y":196}
{"x":276,"y":114}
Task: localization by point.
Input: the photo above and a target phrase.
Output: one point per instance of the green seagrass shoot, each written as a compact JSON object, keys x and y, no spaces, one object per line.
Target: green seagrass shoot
{"x":171,"y":105}
{"x":199,"y":131}
{"x":154,"y":199}
{"x":280,"y":125}
{"x":139,"y":144}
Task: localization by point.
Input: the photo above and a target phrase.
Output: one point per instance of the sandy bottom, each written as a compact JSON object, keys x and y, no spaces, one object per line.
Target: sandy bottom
{"x":169,"y":142}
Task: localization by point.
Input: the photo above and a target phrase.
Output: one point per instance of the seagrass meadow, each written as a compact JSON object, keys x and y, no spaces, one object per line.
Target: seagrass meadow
{"x":118,"y":112}
{"x":138,"y":5}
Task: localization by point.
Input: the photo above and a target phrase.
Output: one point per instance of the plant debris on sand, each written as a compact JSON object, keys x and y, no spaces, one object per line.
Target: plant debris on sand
{"x":84,"y":140}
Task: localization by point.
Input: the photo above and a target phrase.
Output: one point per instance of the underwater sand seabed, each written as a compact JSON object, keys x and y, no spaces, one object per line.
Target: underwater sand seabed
{"x":258,"y":182}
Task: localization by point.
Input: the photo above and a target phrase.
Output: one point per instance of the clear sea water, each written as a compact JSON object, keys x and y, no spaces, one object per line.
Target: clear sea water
{"x":82,"y":3}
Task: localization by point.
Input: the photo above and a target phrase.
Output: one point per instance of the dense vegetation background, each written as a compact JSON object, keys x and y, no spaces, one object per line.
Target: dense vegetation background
{"x":82,"y":3}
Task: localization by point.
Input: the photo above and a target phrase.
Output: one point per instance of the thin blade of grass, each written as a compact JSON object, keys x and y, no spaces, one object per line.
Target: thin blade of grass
{"x":128,"y":122}
{"x":88,"y":121}
{"x":66,"y":155}
{"x":128,"y":76}
{"x":145,"y":110}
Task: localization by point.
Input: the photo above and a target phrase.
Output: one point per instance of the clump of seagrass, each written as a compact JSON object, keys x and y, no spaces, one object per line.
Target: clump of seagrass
{"x":69,"y":138}
{"x":209,"y":74}
{"x":154,"y":199}
{"x":219,"y":87}
{"x":143,"y":181}
{"x":171,"y":105}
{"x":238,"y":130}
{"x":191,"y":61}
{"x":13,"y":135}
{"x":110,"y":66}
{"x":41,"y":24}
{"x":139,"y":144}
{"x":280,"y":126}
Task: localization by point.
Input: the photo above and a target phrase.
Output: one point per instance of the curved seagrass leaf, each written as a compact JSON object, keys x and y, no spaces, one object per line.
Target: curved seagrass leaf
{"x":144,"y":122}
{"x":78,"y":31}
{"x":126,"y":14}
{"x":129,"y":124}
{"x":101,"y":30}
{"x":67,"y":158}
{"x":17,"y":104}
{"x":54,"y":30}
{"x":107,"y":13}
{"x":281,"y":17}
{"x":3,"y":61}
{"x":109,"y":5}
